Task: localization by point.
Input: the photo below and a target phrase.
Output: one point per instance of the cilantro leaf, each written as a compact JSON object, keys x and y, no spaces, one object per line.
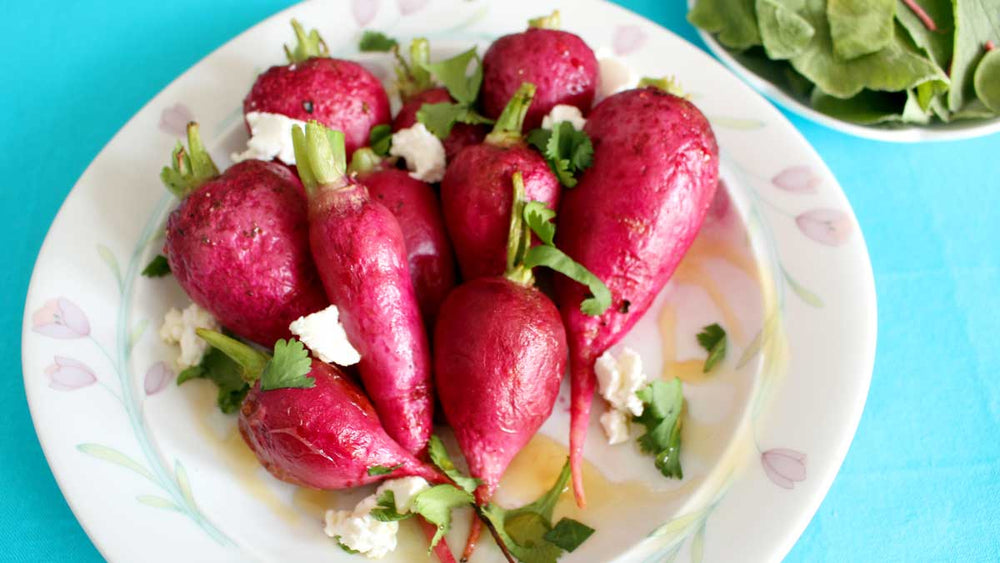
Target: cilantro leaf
{"x":435,"y":505}
{"x":713,"y":339}
{"x":382,"y":470}
{"x":376,"y":41}
{"x":453,"y":74}
{"x":663,"y":402}
{"x":539,"y":218}
{"x":345,"y":548}
{"x":385,"y":510}
{"x":225,"y":373}
{"x":440,"y":118}
{"x":555,"y":259}
{"x":289,"y":368}
{"x":380,"y":139}
{"x":440,"y":458}
{"x":568,"y":534}
{"x":157,"y":267}
{"x":568,"y":150}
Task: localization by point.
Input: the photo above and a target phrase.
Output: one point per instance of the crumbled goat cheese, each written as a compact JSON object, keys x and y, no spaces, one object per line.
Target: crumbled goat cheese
{"x":619,"y":379}
{"x":615,"y":425}
{"x":358,"y":530}
{"x":322,"y":333}
{"x":422,"y":151}
{"x":270,"y":137}
{"x":179,"y":328}
{"x":563,"y":112}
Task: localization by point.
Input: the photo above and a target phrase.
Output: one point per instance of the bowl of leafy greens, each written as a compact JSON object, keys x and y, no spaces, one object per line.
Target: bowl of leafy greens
{"x":893,"y":70}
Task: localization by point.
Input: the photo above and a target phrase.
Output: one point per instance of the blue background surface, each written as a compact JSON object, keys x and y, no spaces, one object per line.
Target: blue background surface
{"x":922,"y":479}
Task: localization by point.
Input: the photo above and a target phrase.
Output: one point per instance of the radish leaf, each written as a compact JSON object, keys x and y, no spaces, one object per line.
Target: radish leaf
{"x":440,"y":458}
{"x":289,"y":368}
{"x":376,"y":42}
{"x":713,"y":339}
{"x":661,"y":415}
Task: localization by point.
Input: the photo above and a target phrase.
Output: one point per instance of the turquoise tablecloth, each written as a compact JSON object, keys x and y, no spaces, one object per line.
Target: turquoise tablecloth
{"x":922,"y":479}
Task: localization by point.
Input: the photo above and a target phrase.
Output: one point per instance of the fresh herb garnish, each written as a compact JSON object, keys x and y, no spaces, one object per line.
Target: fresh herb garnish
{"x":385,"y":510}
{"x":528,"y":533}
{"x":289,"y":368}
{"x":225,"y":373}
{"x":347,"y":549}
{"x":157,"y":267}
{"x":435,"y":505}
{"x":464,"y":89}
{"x":440,"y":458}
{"x":661,"y":416}
{"x":376,"y":42}
{"x":539,"y":218}
{"x":568,"y":150}
{"x":382,"y":470}
{"x":713,"y":339}
{"x":380,"y":139}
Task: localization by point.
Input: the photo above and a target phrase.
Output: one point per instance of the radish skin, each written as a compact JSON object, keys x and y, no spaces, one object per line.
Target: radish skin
{"x":629,"y":221}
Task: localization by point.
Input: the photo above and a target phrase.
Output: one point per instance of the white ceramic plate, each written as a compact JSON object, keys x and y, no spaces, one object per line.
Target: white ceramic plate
{"x":896,"y":133}
{"x":154,"y":473}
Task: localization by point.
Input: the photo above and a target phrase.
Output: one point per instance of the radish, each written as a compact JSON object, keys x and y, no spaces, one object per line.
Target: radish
{"x":338,"y":93}
{"x":475,"y":192}
{"x":630,"y":220}
{"x":417,"y":89}
{"x":500,"y":351}
{"x":360,"y":252}
{"x":238,"y":243}
{"x":559,"y":63}
{"x":416,"y":207}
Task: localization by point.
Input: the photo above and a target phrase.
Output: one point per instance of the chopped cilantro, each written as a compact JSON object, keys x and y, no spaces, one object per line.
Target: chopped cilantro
{"x":713,"y":339}
{"x":464,"y":89}
{"x":376,"y":41}
{"x":289,"y":368}
{"x":380,"y":139}
{"x":568,"y":534}
{"x":382,"y":470}
{"x":440,"y":458}
{"x":435,"y":505}
{"x":568,"y":150}
{"x":225,"y":373}
{"x":157,"y":267}
{"x":385,"y":510}
{"x":661,"y":416}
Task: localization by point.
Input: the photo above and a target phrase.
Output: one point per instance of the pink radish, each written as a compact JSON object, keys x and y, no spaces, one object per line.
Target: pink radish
{"x":630,"y":220}
{"x":238,"y":242}
{"x":475,"y":192}
{"x":360,"y":252}
{"x":416,"y":207}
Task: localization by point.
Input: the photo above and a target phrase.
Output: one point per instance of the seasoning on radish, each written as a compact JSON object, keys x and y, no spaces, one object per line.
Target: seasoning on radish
{"x":500,"y":351}
{"x":630,"y":220}
{"x":338,"y":93}
{"x":238,"y":242}
{"x":416,"y":207}
{"x":360,"y":252}
{"x":559,"y":63}
{"x":476,"y":196}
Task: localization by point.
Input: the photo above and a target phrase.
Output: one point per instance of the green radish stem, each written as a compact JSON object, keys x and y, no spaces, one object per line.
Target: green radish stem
{"x":667,"y":83}
{"x":251,"y":360}
{"x":413,"y":78}
{"x":309,"y":45}
{"x":519,"y":238}
{"x":507,"y":130}
{"x":551,"y":21}
{"x":190,"y":168}
{"x":364,"y":160}
{"x":320,"y":157}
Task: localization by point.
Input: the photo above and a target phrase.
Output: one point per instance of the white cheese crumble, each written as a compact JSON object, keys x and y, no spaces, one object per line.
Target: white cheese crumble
{"x":619,"y":379}
{"x":179,"y":328}
{"x":615,"y":425}
{"x":422,"y":151}
{"x":322,"y":333}
{"x":358,"y":530}
{"x":270,"y":137}
{"x":615,"y":75}
{"x":563,"y":112}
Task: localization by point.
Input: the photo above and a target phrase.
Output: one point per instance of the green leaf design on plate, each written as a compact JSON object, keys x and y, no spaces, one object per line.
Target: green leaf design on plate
{"x":751,"y":349}
{"x":157,"y":502}
{"x":109,"y":259}
{"x":698,"y":544}
{"x":808,"y":296}
{"x":137,"y":332}
{"x":183,"y":483}
{"x":114,"y":456}
{"x":736,"y":123}
{"x":677,"y":525}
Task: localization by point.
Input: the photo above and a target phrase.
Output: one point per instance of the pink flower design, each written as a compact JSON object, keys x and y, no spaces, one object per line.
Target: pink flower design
{"x":67,"y":374}
{"x":827,"y":226}
{"x":797,"y":179}
{"x":60,"y":318}
{"x":174,"y":120}
{"x":784,"y":467}
{"x":157,"y":377}
{"x":628,"y":39}
{"x":364,"y":11}
{"x":407,"y":7}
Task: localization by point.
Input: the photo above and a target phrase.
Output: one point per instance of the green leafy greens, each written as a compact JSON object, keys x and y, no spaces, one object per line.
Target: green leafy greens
{"x":868,"y":61}
{"x":225,"y":373}
{"x":289,"y":368}
{"x":382,"y":470}
{"x":380,"y":139}
{"x":464,"y":89}
{"x":713,"y":339}
{"x":440,"y":458}
{"x":376,"y":42}
{"x":661,"y":416}
{"x":157,"y":267}
{"x":568,"y":150}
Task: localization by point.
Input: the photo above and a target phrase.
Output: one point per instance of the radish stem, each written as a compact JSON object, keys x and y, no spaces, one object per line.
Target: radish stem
{"x":320,"y":156}
{"x":519,"y":238}
{"x":551,"y":21}
{"x":252,"y":361}
{"x":308,"y":45}
{"x":190,"y":168}
{"x":507,"y":130}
